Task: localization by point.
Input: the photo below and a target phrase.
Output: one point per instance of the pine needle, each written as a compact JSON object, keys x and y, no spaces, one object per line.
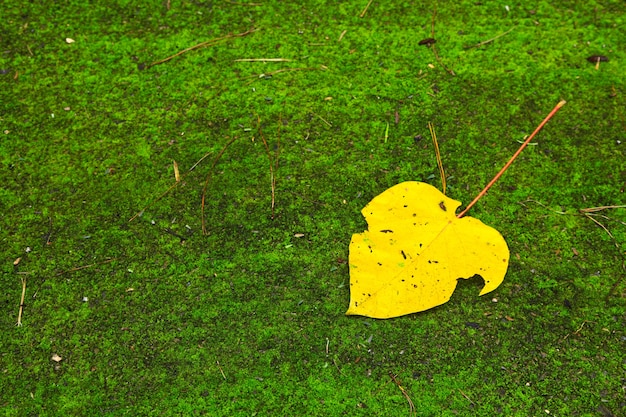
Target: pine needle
{"x":438,"y":154}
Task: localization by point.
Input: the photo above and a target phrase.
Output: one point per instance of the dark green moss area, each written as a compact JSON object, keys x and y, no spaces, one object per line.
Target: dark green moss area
{"x":154,"y":317}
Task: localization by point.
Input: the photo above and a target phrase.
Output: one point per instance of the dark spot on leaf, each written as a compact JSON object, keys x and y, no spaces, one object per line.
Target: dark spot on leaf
{"x":414,"y":285}
{"x":386,"y":231}
{"x":379,"y":264}
{"x":403,"y":255}
{"x":442,"y":206}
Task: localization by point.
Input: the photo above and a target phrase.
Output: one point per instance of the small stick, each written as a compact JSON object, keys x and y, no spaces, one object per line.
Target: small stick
{"x":19,"y":314}
{"x":366,"y":7}
{"x":438,"y":154}
{"x":506,"y":166}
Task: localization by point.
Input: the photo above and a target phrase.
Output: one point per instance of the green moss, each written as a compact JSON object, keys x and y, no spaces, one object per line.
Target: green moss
{"x":248,"y":319}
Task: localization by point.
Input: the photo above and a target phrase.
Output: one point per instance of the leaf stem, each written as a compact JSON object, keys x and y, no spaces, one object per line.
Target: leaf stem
{"x":515,"y":155}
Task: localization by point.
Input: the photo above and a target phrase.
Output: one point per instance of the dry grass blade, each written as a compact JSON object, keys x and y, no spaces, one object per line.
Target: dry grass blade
{"x":479,"y":44}
{"x":596,"y":209}
{"x":438,"y":154}
{"x":272,"y":161}
{"x":366,"y":7}
{"x":202,"y":45}
{"x":208,"y":177}
{"x":176,"y":171}
{"x":19,"y":314}
{"x":434,"y":48}
{"x":394,"y":378}
{"x":178,"y":178}
{"x":269,"y":74}
{"x":590,"y":213}
{"x":262,"y":60}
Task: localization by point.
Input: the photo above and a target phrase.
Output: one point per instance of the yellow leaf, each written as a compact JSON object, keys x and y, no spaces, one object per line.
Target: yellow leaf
{"x":415,"y":250}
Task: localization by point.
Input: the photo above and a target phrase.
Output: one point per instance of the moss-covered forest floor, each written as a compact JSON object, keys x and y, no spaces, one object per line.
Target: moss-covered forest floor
{"x":154,"y":317}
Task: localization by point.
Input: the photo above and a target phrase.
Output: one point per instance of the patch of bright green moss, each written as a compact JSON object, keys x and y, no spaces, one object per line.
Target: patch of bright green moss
{"x":152,"y":316}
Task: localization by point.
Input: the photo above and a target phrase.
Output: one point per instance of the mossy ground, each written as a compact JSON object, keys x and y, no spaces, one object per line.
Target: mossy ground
{"x":249,"y":319}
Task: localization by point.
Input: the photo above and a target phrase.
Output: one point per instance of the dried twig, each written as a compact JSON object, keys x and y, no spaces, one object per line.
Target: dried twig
{"x":203,"y":44}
